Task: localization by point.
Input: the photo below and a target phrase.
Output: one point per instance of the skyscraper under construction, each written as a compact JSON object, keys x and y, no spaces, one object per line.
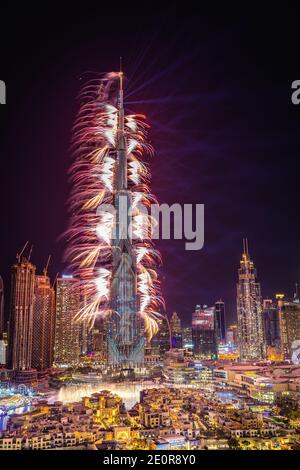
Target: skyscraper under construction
{"x":249,"y":310}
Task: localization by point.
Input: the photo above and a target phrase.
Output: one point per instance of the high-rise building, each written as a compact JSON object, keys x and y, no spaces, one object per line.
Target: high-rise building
{"x":43,"y":323}
{"x":271,"y":323}
{"x":21,"y":315}
{"x":162,"y":339}
{"x":67,"y":347}
{"x":86,"y":332}
{"x":86,"y":337}
{"x":204,"y":333}
{"x":1,"y":307}
{"x":249,"y":311}
{"x":175,"y":323}
{"x":220,"y":321}
{"x":126,"y":334}
{"x":110,"y":248}
{"x":99,"y":340}
{"x":3,"y":349}
{"x":176,"y":331}
{"x":187,"y":338}
{"x":289,"y":320}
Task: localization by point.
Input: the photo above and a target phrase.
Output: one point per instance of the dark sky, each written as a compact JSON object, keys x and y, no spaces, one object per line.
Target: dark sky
{"x":217,"y":92}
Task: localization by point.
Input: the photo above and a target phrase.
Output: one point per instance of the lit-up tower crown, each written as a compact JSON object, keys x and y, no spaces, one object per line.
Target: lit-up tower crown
{"x":249,"y":310}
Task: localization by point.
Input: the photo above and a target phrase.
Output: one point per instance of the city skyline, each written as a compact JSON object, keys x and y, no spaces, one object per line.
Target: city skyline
{"x":149,"y":263}
{"x":206,"y":152}
{"x":185,"y":319}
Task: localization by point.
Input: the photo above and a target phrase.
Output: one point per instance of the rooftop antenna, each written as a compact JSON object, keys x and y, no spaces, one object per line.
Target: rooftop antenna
{"x":245,"y":246}
{"x":121,"y":86}
{"x":121,"y":145}
{"x":18,"y":255}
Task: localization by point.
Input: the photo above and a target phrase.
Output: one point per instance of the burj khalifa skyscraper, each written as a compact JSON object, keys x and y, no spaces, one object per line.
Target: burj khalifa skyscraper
{"x":109,"y":241}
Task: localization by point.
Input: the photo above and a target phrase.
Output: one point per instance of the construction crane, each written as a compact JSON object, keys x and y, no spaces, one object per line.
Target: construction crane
{"x":54,"y":282}
{"x":29,"y":256}
{"x":18,"y":255}
{"x":47,"y":265}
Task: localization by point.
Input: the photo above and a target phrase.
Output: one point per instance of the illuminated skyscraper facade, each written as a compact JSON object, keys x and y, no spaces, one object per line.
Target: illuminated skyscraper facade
{"x":21,"y":315}
{"x":249,"y":311}
{"x":204,"y":335}
{"x":220,"y":321}
{"x":289,"y":321}
{"x":175,"y":323}
{"x":176,"y":331}
{"x":162,"y":340}
{"x":67,"y":347}
{"x":232,"y":334}
{"x":86,"y":333}
{"x":43,"y":324}
{"x":125,"y":335}
{"x":271,"y":323}
{"x":100,"y":340}
{"x":187,"y":339}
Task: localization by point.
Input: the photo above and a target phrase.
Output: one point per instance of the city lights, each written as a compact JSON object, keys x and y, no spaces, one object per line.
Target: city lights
{"x":93,"y":359}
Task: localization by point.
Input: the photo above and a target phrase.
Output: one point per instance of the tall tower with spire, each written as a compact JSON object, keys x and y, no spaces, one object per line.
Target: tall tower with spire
{"x":125,"y":339}
{"x":110,"y":250}
{"x":249,"y":310}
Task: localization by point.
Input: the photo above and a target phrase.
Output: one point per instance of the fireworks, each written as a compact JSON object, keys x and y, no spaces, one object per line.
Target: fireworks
{"x":96,"y":135}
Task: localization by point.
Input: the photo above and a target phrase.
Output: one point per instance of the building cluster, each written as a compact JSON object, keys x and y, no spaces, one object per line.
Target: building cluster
{"x":265,"y":329}
{"x":62,"y":426}
{"x":42,"y":330}
{"x":220,"y":386}
{"x":164,"y":418}
{"x":268,"y":383}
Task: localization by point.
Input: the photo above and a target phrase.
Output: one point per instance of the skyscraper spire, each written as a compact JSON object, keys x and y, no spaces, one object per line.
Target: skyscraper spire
{"x":120,"y":101}
{"x":245,"y":247}
{"x":121,"y":147}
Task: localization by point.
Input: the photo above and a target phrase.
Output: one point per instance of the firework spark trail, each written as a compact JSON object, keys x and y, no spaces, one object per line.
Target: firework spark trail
{"x":92,"y":174}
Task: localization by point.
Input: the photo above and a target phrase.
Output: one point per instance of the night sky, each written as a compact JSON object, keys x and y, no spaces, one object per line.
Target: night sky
{"x":217,"y":92}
